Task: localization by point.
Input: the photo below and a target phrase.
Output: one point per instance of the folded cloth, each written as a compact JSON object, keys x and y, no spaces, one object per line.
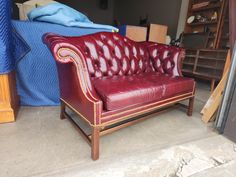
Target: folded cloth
{"x":61,"y":14}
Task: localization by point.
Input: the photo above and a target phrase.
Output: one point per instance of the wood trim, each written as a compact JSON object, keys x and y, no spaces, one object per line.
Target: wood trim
{"x":106,"y":131}
{"x":9,"y":100}
{"x":129,"y":116}
{"x":178,"y":99}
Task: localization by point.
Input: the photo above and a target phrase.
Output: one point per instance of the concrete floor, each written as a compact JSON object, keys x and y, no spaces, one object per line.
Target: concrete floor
{"x":170,"y":145}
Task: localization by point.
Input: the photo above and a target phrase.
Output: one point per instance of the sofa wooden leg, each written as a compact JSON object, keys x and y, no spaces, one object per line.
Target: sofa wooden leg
{"x":63,"y":109}
{"x":95,"y":143}
{"x":190,"y":107}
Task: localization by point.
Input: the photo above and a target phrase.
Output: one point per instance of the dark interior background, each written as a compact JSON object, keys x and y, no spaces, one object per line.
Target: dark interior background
{"x":165,"y":12}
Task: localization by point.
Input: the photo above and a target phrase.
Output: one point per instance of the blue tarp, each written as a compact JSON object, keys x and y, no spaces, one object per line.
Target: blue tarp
{"x":37,"y":82}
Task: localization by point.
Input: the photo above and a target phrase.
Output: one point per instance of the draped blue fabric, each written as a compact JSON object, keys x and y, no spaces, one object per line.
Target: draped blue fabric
{"x":22,"y":49}
{"x":6,"y":54}
{"x":61,"y":14}
{"x":37,"y":82}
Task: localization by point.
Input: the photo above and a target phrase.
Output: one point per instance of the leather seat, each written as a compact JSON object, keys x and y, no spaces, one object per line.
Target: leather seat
{"x":118,"y":92}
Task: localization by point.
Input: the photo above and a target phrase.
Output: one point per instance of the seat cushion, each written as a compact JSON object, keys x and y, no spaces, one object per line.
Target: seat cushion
{"x":118,"y":92}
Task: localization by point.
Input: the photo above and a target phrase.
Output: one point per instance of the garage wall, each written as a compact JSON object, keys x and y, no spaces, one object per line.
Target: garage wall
{"x":164,"y":12}
{"x":92,"y":10}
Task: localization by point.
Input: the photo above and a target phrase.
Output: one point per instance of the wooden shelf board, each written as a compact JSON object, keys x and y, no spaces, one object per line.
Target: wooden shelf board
{"x":209,"y":67}
{"x":214,"y":6}
{"x":206,"y":75}
{"x":203,"y":23}
{"x":213,"y":50}
{"x":211,"y":58}
{"x":191,"y":49}
{"x":187,"y":71}
{"x":208,"y":50}
{"x":190,"y":56}
{"x":188,"y":63}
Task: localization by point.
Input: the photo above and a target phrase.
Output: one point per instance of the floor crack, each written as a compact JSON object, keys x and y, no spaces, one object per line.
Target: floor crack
{"x":182,"y":164}
{"x":217,"y":162}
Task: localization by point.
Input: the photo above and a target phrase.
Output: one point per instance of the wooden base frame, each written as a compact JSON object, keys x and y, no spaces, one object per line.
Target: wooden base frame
{"x":98,"y":131}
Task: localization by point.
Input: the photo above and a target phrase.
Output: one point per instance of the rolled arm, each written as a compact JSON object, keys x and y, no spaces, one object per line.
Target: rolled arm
{"x":75,"y":84}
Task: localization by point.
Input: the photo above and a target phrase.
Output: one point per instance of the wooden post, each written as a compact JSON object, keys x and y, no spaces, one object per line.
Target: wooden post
{"x":213,"y":81}
{"x":95,"y":143}
{"x":9,"y":100}
{"x":190,"y":107}
{"x":214,"y":101}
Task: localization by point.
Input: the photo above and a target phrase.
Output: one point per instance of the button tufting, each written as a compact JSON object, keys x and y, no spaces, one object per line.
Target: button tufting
{"x":109,"y":54}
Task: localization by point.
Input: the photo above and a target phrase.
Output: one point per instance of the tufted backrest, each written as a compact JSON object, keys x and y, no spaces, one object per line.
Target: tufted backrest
{"x":110,"y":54}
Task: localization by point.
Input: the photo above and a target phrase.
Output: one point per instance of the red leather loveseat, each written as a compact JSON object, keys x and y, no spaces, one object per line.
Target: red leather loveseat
{"x":109,"y":80}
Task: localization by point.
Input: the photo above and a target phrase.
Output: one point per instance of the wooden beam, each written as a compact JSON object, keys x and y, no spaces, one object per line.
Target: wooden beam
{"x":214,"y":101}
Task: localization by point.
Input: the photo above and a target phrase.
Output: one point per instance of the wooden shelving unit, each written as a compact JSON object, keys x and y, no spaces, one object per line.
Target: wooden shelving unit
{"x":218,"y":28}
{"x":205,"y":63}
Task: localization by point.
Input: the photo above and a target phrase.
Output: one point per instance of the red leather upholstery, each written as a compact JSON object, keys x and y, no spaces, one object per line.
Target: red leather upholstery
{"x":165,"y":59}
{"x":120,"y":91}
{"x":104,"y":73}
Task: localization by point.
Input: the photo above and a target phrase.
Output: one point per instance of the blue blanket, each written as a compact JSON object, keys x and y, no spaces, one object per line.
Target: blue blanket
{"x":37,"y":82}
{"x":6,"y":57}
{"x":61,"y":14}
